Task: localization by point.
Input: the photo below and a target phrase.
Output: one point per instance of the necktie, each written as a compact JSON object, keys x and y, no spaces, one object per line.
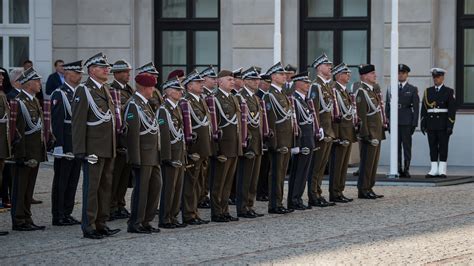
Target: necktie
{"x":400,"y":86}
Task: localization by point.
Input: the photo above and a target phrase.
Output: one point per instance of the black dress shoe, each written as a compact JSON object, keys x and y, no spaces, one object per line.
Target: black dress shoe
{"x":204,"y":205}
{"x":3,"y":233}
{"x":37,"y":227}
{"x":231,"y":218}
{"x":119,"y":214}
{"x":402,"y":174}
{"x":246,"y":215}
{"x":62,"y":222}
{"x":33,"y":201}
{"x":231,"y":201}
{"x":138,"y":230}
{"x":167,"y":226}
{"x":287,"y":210}
{"x":22,"y":227}
{"x":366,"y":195}
{"x":219,"y":219}
{"x":319,"y":203}
{"x":376,"y":195}
{"x":93,"y":235}
{"x":180,"y":225}
{"x":346,"y":198}
{"x":151,"y":229}
{"x":106,"y":231}
{"x":193,"y":221}
{"x":203,"y":221}
{"x":339,"y":199}
{"x":256,"y":213}
{"x":72,"y":219}
{"x":124,"y":212}
{"x":431,"y":176}
{"x":298,"y":207}
{"x":262,"y":198}
{"x":442,"y":176}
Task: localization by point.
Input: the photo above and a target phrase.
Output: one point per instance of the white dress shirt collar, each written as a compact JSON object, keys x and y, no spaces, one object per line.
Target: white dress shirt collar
{"x":145,"y":100}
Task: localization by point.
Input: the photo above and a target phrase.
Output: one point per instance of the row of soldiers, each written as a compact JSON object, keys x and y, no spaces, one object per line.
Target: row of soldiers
{"x":206,"y":130}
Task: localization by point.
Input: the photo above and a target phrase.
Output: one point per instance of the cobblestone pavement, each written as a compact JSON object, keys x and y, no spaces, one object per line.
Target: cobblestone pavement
{"x":411,"y":225}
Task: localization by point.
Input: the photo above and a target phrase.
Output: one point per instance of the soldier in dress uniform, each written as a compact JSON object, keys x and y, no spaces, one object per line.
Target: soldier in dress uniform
{"x":228,"y":148}
{"x":371,"y":131}
{"x":408,"y":112}
{"x":438,"y":113}
{"x":173,"y":163}
{"x":264,"y":175}
{"x":122,"y":170}
{"x":345,"y":135}
{"x":305,"y":143}
{"x":157,"y":99}
{"x":199,"y":149}
{"x":280,"y":114}
{"x":5,"y":151}
{"x":143,"y":146}
{"x":29,"y":149}
{"x":209,"y":85}
{"x":93,"y":133}
{"x":248,"y":167}
{"x":66,"y":170}
{"x":322,"y":96}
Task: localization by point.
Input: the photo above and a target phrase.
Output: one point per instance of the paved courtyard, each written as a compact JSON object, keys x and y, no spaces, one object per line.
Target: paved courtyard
{"x":411,"y":225}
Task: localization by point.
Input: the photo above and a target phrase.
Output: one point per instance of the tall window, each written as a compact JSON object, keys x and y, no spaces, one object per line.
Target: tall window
{"x":186,"y":35}
{"x":339,"y":28}
{"x":465,"y":55}
{"x":15,"y":31}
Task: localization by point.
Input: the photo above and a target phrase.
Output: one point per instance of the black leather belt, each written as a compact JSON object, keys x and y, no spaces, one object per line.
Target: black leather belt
{"x":401,"y":106}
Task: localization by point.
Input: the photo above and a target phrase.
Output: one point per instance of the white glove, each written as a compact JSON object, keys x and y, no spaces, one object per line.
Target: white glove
{"x":321,"y":133}
{"x":58,"y":150}
{"x":295,"y":150}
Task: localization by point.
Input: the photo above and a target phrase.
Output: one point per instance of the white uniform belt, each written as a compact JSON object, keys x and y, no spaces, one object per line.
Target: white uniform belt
{"x":437,"y":110}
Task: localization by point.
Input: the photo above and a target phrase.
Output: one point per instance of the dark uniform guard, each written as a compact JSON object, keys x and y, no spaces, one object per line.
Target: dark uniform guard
{"x":143,"y":145}
{"x":199,"y":150}
{"x":5,"y":151}
{"x":248,"y":167}
{"x":157,"y":99}
{"x":228,"y":148}
{"x":323,"y":98}
{"x":29,"y":149}
{"x":121,"y":92}
{"x":93,"y":133}
{"x":371,"y":131}
{"x":66,"y":170}
{"x":209,"y":85}
{"x":438,"y":114}
{"x":345,"y":135}
{"x":303,"y":151}
{"x":408,"y":112}
{"x":262,"y":187}
{"x":280,"y":115}
{"x":170,"y":120}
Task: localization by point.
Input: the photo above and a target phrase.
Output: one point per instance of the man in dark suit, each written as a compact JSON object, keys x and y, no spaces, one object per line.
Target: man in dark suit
{"x":438,"y":114}
{"x":66,"y":171}
{"x":57,"y":78}
{"x":408,"y":112}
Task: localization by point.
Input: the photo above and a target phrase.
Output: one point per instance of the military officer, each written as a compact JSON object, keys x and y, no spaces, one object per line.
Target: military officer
{"x":304,"y":145}
{"x":66,"y":170}
{"x":5,"y":151}
{"x":322,"y":95}
{"x":209,"y":85}
{"x":199,"y":150}
{"x":121,"y":91}
{"x":438,"y":114}
{"x":143,"y":145}
{"x":264,"y":175}
{"x":238,"y":81}
{"x":157,"y":99}
{"x":344,"y":133}
{"x":248,"y":167}
{"x":408,"y":112}
{"x":280,"y":113}
{"x":228,"y":148}
{"x":93,"y":133}
{"x":170,"y":120}
{"x":29,"y":149}
{"x":290,"y":72}
{"x":371,"y":131}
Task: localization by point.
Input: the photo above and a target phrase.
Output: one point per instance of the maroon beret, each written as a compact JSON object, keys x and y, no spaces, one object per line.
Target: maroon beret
{"x":145,"y":80}
{"x":176,"y":73}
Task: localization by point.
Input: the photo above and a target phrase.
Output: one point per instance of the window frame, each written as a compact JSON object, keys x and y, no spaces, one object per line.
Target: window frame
{"x":337,"y":24}
{"x":462,"y":22}
{"x":189,"y":24}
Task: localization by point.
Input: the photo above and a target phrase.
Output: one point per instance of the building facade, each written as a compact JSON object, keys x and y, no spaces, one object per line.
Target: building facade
{"x":190,"y":34}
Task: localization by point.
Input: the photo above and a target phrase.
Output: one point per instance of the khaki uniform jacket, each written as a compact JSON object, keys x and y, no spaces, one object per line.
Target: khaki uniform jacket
{"x":203,"y":142}
{"x":230,"y":144}
{"x":171,"y":152}
{"x":283,"y":132}
{"x":99,"y":139}
{"x":345,"y":129}
{"x":325,"y":119}
{"x":256,"y":142}
{"x":141,"y":149}
{"x":370,"y":126}
{"x":5,"y":149}
{"x":29,"y":146}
